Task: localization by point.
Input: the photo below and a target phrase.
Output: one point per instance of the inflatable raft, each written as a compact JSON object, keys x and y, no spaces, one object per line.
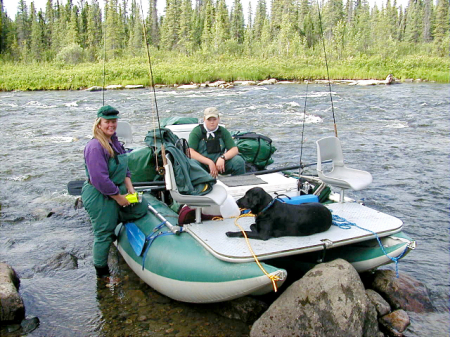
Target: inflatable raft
{"x":194,"y":261}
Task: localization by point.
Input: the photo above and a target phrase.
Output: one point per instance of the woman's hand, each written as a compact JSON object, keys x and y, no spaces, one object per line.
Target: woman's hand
{"x":121,"y":199}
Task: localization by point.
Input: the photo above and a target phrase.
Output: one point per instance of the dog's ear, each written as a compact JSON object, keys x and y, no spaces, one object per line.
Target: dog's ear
{"x":255,"y":197}
{"x":264,"y":197}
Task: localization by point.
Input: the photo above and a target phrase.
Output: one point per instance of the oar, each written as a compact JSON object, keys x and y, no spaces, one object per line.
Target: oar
{"x":174,"y":229}
{"x":74,"y":187}
{"x":136,"y":237}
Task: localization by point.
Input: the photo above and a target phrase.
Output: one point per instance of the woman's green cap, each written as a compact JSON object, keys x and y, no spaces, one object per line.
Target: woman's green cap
{"x":108,"y":112}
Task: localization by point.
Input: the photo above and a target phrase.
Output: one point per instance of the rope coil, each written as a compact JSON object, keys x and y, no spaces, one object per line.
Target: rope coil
{"x":345,"y":224}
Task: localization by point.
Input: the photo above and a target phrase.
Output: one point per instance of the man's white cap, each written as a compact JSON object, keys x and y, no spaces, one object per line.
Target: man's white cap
{"x":211,"y":112}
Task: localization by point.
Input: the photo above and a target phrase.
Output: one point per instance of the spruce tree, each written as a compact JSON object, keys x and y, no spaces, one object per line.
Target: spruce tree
{"x":135,"y":44}
{"x":82,"y":23}
{"x":113,"y":30}
{"x":185,"y":44}
{"x":22,"y":25}
{"x":288,"y":33}
{"x":170,"y":26}
{"x":360,"y":30}
{"x":94,"y":32}
{"x":208,"y":21}
{"x":221,"y":27}
{"x":441,"y":28}
{"x":153,"y":34}
{"x":332,"y":15}
{"x":37,"y":34}
{"x":414,"y":21}
{"x":72,"y":37}
{"x":427,"y":20}
{"x":248,"y":38}
{"x":260,"y":17}
{"x":237,"y":22}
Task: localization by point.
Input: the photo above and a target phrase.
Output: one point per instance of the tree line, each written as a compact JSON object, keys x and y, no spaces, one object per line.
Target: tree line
{"x":86,"y":32}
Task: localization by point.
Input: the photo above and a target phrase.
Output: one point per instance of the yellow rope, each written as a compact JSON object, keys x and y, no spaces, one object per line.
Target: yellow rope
{"x":273,"y":278}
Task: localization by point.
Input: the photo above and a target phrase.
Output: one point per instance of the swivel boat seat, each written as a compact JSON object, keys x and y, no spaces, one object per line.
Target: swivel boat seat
{"x":124,"y":132}
{"x":217,"y":196}
{"x":341,"y":176}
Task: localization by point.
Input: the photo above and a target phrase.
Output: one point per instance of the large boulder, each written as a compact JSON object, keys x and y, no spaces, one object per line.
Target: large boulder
{"x":11,"y":304}
{"x":403,"y":292}
{"x":330,"y":300}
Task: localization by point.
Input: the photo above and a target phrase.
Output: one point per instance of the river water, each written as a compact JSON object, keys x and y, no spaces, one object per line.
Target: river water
{"x":399,"y":133}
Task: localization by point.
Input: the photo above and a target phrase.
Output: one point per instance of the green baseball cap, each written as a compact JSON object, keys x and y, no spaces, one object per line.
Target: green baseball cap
{"x":108,"y":112}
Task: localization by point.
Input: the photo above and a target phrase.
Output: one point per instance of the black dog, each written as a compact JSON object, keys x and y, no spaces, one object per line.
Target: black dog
{"x":281,"y":219}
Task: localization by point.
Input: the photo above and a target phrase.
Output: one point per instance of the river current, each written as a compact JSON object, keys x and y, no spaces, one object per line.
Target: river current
{"x":399,"y":133}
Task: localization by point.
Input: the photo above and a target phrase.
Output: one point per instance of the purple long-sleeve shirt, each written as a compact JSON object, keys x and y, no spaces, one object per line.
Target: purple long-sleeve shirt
{"x":96,"y":158}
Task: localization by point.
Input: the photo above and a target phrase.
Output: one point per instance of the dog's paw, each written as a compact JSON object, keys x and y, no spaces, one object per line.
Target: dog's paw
{"x":232,"y":234}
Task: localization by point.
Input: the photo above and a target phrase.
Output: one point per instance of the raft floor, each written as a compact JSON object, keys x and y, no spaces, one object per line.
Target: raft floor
{"x":211,"y":234}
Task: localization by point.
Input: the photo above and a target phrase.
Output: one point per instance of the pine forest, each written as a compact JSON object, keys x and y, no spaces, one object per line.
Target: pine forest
{"x":208,"y":40}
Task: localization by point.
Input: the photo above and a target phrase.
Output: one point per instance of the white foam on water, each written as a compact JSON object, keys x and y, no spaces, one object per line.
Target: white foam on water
{"x":71,"y":104}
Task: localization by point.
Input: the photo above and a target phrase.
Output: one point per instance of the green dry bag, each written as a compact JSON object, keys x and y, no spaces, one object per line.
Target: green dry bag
{"x":256,"y":149}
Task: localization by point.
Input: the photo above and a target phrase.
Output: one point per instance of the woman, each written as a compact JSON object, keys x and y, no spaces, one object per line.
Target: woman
{"x":104,"y":193}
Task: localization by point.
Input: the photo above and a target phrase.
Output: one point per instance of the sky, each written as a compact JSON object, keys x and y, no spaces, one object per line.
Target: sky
{"x":11,"y":5}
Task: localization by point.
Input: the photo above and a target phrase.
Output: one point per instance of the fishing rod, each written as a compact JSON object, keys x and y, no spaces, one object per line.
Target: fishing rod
{"x":328,"y":73}
{"x":303,"y":131}
{"x":74,"y":187}
{"x":280,"y":169}
{"x":104,"y":61}
{"x":150,"y":71}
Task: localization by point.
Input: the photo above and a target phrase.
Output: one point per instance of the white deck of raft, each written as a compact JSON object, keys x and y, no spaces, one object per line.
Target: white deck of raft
{"x":211,"y":234}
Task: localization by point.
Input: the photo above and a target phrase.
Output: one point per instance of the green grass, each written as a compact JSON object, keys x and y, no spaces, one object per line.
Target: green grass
{"x":175,"y":69}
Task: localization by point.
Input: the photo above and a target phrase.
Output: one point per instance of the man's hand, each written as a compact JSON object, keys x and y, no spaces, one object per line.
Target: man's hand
{"x":213,"y":170}
{"x":220,"y":164}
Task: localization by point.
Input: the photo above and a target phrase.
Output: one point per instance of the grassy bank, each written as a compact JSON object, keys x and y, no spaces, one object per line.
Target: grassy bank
{"x":198,"y":69}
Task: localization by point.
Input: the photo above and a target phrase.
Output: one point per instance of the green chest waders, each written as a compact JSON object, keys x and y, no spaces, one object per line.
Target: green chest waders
{"x":234,"y":166}
{"x":105,"y":212}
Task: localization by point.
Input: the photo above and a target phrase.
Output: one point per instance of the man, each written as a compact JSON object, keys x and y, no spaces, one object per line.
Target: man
{"x":213,"y":146}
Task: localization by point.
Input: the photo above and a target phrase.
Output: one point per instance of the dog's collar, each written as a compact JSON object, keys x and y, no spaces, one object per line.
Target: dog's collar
{"x":269,"y":205}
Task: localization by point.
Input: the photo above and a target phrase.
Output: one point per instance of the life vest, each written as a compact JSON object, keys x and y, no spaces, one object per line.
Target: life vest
{"x":213,"y":144}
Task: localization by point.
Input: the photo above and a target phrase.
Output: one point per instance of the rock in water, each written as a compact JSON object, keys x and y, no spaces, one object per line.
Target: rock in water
{"x":61,"y":261}
{"x":383,"y":307}
{"x":395,"y":323}
{"x":11,"y":304}
{"x":402,"y":293}
{"x":246,"y":309}
{"x":29,"y":324}
{"x":330,"y":300}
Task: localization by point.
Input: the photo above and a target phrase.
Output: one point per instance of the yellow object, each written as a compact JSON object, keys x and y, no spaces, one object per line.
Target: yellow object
{"x":134,"y":198}
{"x":273,"y":278}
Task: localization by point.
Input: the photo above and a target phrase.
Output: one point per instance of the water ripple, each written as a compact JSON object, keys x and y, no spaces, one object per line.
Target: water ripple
{"x":398,"y":133}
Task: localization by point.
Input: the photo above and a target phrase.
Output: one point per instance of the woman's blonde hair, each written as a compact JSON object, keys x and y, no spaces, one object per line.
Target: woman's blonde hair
{"x":98,"y":134}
